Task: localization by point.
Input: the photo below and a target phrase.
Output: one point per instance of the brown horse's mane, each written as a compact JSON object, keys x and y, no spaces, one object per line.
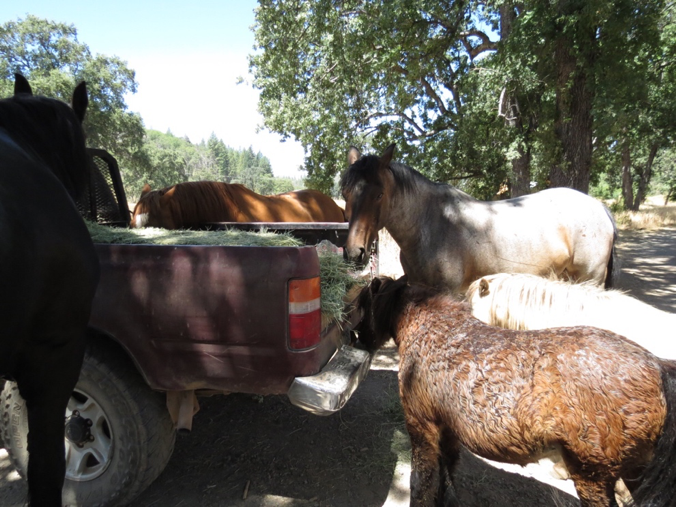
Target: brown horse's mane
{"x":197,"y":200}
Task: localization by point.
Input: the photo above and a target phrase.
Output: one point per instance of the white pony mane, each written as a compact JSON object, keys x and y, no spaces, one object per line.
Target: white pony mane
{"x":516,"y":299}
{"x":522,"y":301}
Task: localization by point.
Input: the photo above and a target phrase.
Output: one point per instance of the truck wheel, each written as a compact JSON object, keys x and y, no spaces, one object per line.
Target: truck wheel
{"x":118,"y":433}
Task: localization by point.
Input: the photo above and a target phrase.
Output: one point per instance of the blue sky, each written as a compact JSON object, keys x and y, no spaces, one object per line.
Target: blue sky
{"x":187,"y":56}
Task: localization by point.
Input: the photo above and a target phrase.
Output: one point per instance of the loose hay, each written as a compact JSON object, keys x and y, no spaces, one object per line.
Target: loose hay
{"x":156,"y":236}
{"x":337,"y":277}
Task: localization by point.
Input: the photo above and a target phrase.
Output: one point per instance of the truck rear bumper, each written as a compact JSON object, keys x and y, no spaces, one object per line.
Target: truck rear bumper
{"x":328,"y":391}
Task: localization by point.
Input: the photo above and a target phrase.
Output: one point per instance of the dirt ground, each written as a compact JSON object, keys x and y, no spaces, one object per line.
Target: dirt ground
{"x":262,"y":451}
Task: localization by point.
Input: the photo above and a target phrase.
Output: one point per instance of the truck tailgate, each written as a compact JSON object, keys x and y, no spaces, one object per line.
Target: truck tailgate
{"x":208,"y":317}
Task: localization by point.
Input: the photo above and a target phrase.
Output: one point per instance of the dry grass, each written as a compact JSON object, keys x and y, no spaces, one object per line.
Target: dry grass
{"x":653,"y":214}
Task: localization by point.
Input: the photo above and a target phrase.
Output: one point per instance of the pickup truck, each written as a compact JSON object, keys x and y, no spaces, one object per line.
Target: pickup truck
{"x":172,"y":323}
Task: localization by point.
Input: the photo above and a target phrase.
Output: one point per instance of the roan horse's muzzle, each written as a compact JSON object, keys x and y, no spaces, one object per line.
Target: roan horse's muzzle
{"x":357,"y":255}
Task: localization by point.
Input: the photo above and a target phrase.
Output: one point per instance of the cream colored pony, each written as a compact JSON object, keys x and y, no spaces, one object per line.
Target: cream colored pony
{"x":522,"y":301}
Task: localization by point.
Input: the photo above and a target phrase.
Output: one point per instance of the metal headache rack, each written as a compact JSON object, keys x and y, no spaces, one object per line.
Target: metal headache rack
{"x":104,"y":200}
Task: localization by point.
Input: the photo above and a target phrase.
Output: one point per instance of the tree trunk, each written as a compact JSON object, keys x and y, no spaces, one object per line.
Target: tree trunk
{"x":645,"y":176}
{"x":521,"y":174}
{"x":573,"y":121}
{"x":520,"y":179}
{"x":627,"y":183}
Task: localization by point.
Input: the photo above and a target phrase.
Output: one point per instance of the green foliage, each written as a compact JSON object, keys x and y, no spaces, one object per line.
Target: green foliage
{"x":51,"y":57}
{"x":465,"y":89}
{"x":173,"y":160}
{"x":365,"y":74}
{"x":665,"y":174}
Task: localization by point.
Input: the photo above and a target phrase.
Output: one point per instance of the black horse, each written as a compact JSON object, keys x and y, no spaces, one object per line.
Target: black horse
{"x":48,"y":270}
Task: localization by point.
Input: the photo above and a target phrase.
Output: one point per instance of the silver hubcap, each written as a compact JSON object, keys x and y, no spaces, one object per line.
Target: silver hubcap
{"x":87,"y":458}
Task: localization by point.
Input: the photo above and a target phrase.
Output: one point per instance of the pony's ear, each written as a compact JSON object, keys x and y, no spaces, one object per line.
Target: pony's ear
{"x":375,"y":286}
{"x":387,"y":155}
{"x":21,"y":85}
{"x":353,"y":155}
{"x":483,"y":288}
{"x":146,"y":188}
{"x":80,"y":101}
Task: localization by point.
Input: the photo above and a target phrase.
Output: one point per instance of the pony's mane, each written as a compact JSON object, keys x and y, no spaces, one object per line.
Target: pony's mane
{"x":50,"y":130}
{"x":528,"y":294}
{"x":384,"y":300}
{"x":194,"y":200}
{"x":366,"y":168}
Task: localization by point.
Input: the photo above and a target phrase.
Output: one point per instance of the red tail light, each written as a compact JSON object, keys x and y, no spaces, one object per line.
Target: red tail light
{"x":305,"y":317}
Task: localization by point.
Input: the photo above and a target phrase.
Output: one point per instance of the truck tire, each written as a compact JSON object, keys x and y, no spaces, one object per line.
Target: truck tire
{"x":119,"y":435}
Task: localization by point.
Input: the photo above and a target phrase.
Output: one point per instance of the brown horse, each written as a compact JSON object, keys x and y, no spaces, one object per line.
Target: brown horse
{"x":49,"y":271}
{"x":194,"y":203}
{"x":603,"y":404}
{"x":449,"y":239}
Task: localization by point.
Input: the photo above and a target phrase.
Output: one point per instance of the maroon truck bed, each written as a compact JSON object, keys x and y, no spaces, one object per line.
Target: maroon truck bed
{"x":208,"y":317}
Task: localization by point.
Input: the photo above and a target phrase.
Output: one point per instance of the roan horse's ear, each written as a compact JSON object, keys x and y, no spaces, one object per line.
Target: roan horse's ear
{"x":387,"y":155}
{"x":80,"y":101}
{"x":353,"y":155}
{"x":21,"y":85}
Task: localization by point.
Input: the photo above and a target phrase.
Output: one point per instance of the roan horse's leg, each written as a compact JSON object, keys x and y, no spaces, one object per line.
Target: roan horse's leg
{"x":48,"y":376}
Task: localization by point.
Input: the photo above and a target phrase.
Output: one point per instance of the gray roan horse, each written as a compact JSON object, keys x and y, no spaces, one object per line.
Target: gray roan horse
{"x":449,"y":239}
{"x":48,"y":271}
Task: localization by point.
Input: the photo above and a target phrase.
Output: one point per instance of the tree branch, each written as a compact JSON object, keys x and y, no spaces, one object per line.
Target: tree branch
{"x":428,"y":88}
{"x":474,"y":51}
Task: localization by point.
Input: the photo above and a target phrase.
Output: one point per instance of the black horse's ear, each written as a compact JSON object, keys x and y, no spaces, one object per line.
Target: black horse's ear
{"x":353,"y":155}
{"x":387,"y":155}
{"x":21,"y":85}
{"x":80,"y":101}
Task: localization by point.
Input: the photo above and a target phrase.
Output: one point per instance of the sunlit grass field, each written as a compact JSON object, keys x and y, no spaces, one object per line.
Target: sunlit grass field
{"x":653,"y":214}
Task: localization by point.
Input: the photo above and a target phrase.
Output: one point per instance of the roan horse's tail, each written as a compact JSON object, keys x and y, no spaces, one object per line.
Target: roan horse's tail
{"x":613,"y":268}
{"x":658,"y":480}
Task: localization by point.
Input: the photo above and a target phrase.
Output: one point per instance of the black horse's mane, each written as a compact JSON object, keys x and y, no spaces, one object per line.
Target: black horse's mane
{"x":43,"y":127}
{"x":366,"y":169}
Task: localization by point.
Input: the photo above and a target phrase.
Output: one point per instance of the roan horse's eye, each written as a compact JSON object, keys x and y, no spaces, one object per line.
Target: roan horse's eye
{"x":380,"y":196}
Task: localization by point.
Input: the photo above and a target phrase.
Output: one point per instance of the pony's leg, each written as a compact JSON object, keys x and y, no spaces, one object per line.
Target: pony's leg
{"x":425,"y":470}
{"x":450,"y":452}
{"x":595,"y":493}
{"x":46,"y":383}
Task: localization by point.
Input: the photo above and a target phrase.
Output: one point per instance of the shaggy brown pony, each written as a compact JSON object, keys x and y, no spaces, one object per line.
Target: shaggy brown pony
{"x":604,"y":404}
{"x":194,"y":203}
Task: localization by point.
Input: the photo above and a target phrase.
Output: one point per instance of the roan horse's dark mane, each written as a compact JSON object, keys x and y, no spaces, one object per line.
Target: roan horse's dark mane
{"x":366,"y":168}
{"x":23,"y":112}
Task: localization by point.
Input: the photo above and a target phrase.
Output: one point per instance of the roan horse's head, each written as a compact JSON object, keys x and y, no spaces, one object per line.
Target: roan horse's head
{"x":366,"y":187}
